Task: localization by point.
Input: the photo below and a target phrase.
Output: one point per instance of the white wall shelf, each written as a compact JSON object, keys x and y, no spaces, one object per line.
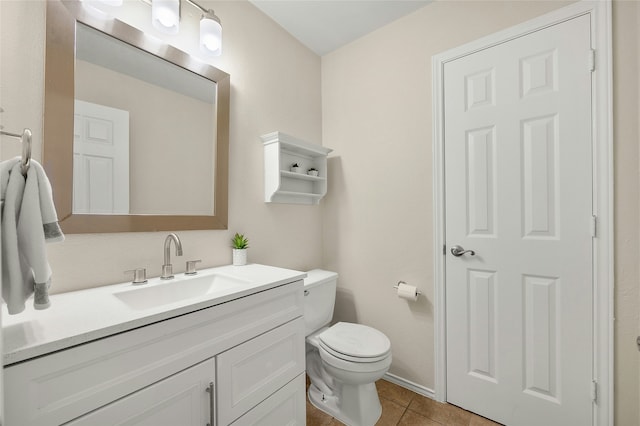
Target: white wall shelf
{"x":301,"y":176}
{"x":281,"y":185}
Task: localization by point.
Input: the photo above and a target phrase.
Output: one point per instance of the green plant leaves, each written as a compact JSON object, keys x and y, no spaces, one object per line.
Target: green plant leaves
{"x":239,"y":241}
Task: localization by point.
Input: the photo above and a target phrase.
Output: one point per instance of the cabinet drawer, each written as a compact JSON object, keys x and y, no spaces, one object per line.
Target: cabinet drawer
{"x":253,"y":371}
{"x":288,"y":407}
{"x":181,"y":399}
{"x":62,"y":386}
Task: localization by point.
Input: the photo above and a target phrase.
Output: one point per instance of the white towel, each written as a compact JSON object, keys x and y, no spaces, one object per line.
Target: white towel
{"x":52,"y":231}
{"x":28,"y":221}
{"x":14,"y":290}
{"x":5,"y":169}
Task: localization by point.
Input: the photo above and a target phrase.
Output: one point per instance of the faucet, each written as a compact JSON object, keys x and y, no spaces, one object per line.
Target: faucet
{"x":167,"y":268}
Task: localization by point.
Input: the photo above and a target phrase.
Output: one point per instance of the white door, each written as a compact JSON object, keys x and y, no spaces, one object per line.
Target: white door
{"x":183,"y":399}
{"x":100,"y":159}
{"x":518,"y":182}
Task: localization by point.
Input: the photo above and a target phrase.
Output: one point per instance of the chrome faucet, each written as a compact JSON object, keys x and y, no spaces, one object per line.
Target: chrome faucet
{"x":167,"y":268}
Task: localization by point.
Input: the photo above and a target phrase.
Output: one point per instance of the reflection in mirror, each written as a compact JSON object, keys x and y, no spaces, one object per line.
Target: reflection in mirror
{"x":144,"y":132}
{"x":136,"y":132}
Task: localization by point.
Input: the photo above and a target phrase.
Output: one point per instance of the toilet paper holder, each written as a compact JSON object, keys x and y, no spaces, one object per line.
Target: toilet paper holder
{"x":418,"y":292}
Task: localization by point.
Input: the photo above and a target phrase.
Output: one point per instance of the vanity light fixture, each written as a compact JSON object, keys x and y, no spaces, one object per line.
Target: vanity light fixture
{"x":165,"y":15}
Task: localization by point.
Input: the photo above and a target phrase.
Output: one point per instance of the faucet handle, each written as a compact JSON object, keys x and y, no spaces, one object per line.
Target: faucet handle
{"x":139,"y":275}
{"x":191,"y":267}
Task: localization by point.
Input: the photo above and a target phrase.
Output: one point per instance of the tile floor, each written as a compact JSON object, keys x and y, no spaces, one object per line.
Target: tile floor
{"x":400,"y":406}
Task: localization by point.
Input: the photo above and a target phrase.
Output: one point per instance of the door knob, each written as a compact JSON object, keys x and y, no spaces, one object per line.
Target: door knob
{"x":458,"y":251}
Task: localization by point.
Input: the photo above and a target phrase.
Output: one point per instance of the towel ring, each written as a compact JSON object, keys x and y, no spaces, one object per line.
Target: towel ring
{"x":26,"y":151}
{"x":25,"y":138}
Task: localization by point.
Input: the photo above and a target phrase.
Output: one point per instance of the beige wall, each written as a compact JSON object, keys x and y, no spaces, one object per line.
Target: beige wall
{"x":626,"y":120}
{"x":275,"y":85}
{"x":377,"y":116}
{"x":20,"y":80}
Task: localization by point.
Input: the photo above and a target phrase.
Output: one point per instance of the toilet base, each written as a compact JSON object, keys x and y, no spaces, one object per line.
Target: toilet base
{"x":351,"y":397}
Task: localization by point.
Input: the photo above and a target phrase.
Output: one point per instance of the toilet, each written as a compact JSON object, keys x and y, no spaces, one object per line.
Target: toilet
{"x":344,"y":360}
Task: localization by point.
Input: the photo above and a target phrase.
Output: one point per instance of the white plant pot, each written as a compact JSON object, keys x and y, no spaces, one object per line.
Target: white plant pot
{"x":312,"y":173}
{"x":295,"y":169}
{"x":239,"y":257}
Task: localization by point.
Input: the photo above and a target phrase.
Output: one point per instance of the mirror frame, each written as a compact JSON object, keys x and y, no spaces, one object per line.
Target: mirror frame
{"x":57,"y":147}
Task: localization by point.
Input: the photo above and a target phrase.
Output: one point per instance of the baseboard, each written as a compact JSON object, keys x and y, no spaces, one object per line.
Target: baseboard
{"x":407,"y":384}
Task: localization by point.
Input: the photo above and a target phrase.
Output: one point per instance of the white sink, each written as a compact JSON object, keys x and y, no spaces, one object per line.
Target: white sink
{"x":179,"y":289}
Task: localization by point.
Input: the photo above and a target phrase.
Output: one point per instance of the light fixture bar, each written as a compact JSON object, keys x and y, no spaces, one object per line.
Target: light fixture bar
{"x":193,"y":3}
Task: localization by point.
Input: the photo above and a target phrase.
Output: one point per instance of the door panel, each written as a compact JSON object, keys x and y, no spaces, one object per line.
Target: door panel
{"x":518,"y":182}
{"x":540,"y":338}
{"x":100,"y":159}
{"x":482,"y":324}
{"x":481,"y":184}
{"x":539,"y":185}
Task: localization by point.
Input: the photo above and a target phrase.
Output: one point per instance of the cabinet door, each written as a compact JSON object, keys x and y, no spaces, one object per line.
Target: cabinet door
{"x":251,"y":372}
{"x":285,"y":407}
{"x":182,"y":399}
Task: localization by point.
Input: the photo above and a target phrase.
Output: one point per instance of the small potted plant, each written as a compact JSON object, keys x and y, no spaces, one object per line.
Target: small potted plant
{"x":312,"y":171}
{"x":240,"y":244}
{"x":295,"y":168}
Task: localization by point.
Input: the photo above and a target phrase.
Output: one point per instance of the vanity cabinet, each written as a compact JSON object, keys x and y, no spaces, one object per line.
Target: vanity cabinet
{"x":251,"y":349}
{"x":281,"y":184}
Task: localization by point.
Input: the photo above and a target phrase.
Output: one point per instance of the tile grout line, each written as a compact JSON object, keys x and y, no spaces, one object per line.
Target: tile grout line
{"x":402,"y":415}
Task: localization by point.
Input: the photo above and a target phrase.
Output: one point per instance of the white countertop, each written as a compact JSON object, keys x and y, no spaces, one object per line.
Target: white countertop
{"x":81,"y":316}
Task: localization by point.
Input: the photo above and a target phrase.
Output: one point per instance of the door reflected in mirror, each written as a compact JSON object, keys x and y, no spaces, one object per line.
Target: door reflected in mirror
{"x":144,"y":132}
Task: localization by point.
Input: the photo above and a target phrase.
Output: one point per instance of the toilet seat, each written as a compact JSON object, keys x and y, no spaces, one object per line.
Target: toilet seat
{"x":349,"y":358}
{"x":328,"y":358}
{"x":355,"y":343}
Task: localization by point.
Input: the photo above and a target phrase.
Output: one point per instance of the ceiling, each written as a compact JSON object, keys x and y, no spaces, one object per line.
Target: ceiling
{"x":325,"y":25}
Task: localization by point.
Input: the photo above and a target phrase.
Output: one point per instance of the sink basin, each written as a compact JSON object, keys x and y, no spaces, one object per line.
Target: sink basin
{"x":178,"y":289}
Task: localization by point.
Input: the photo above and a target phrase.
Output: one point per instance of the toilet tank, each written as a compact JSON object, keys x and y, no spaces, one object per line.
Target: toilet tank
{"x":319,"y":299}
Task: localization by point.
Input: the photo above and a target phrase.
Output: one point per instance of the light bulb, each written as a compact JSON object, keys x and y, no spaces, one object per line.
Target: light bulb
{"x":165,"y":15}
{"x":166,"y":18}
{"x":210,"y":35}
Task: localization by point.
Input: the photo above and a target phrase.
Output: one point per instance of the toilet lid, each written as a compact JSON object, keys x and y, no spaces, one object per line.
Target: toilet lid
{"x":355,"y":340}
{"x":354,"y":359}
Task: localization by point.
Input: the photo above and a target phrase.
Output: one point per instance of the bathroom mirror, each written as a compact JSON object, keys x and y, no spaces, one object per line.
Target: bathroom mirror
{"x":135,"y":131}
